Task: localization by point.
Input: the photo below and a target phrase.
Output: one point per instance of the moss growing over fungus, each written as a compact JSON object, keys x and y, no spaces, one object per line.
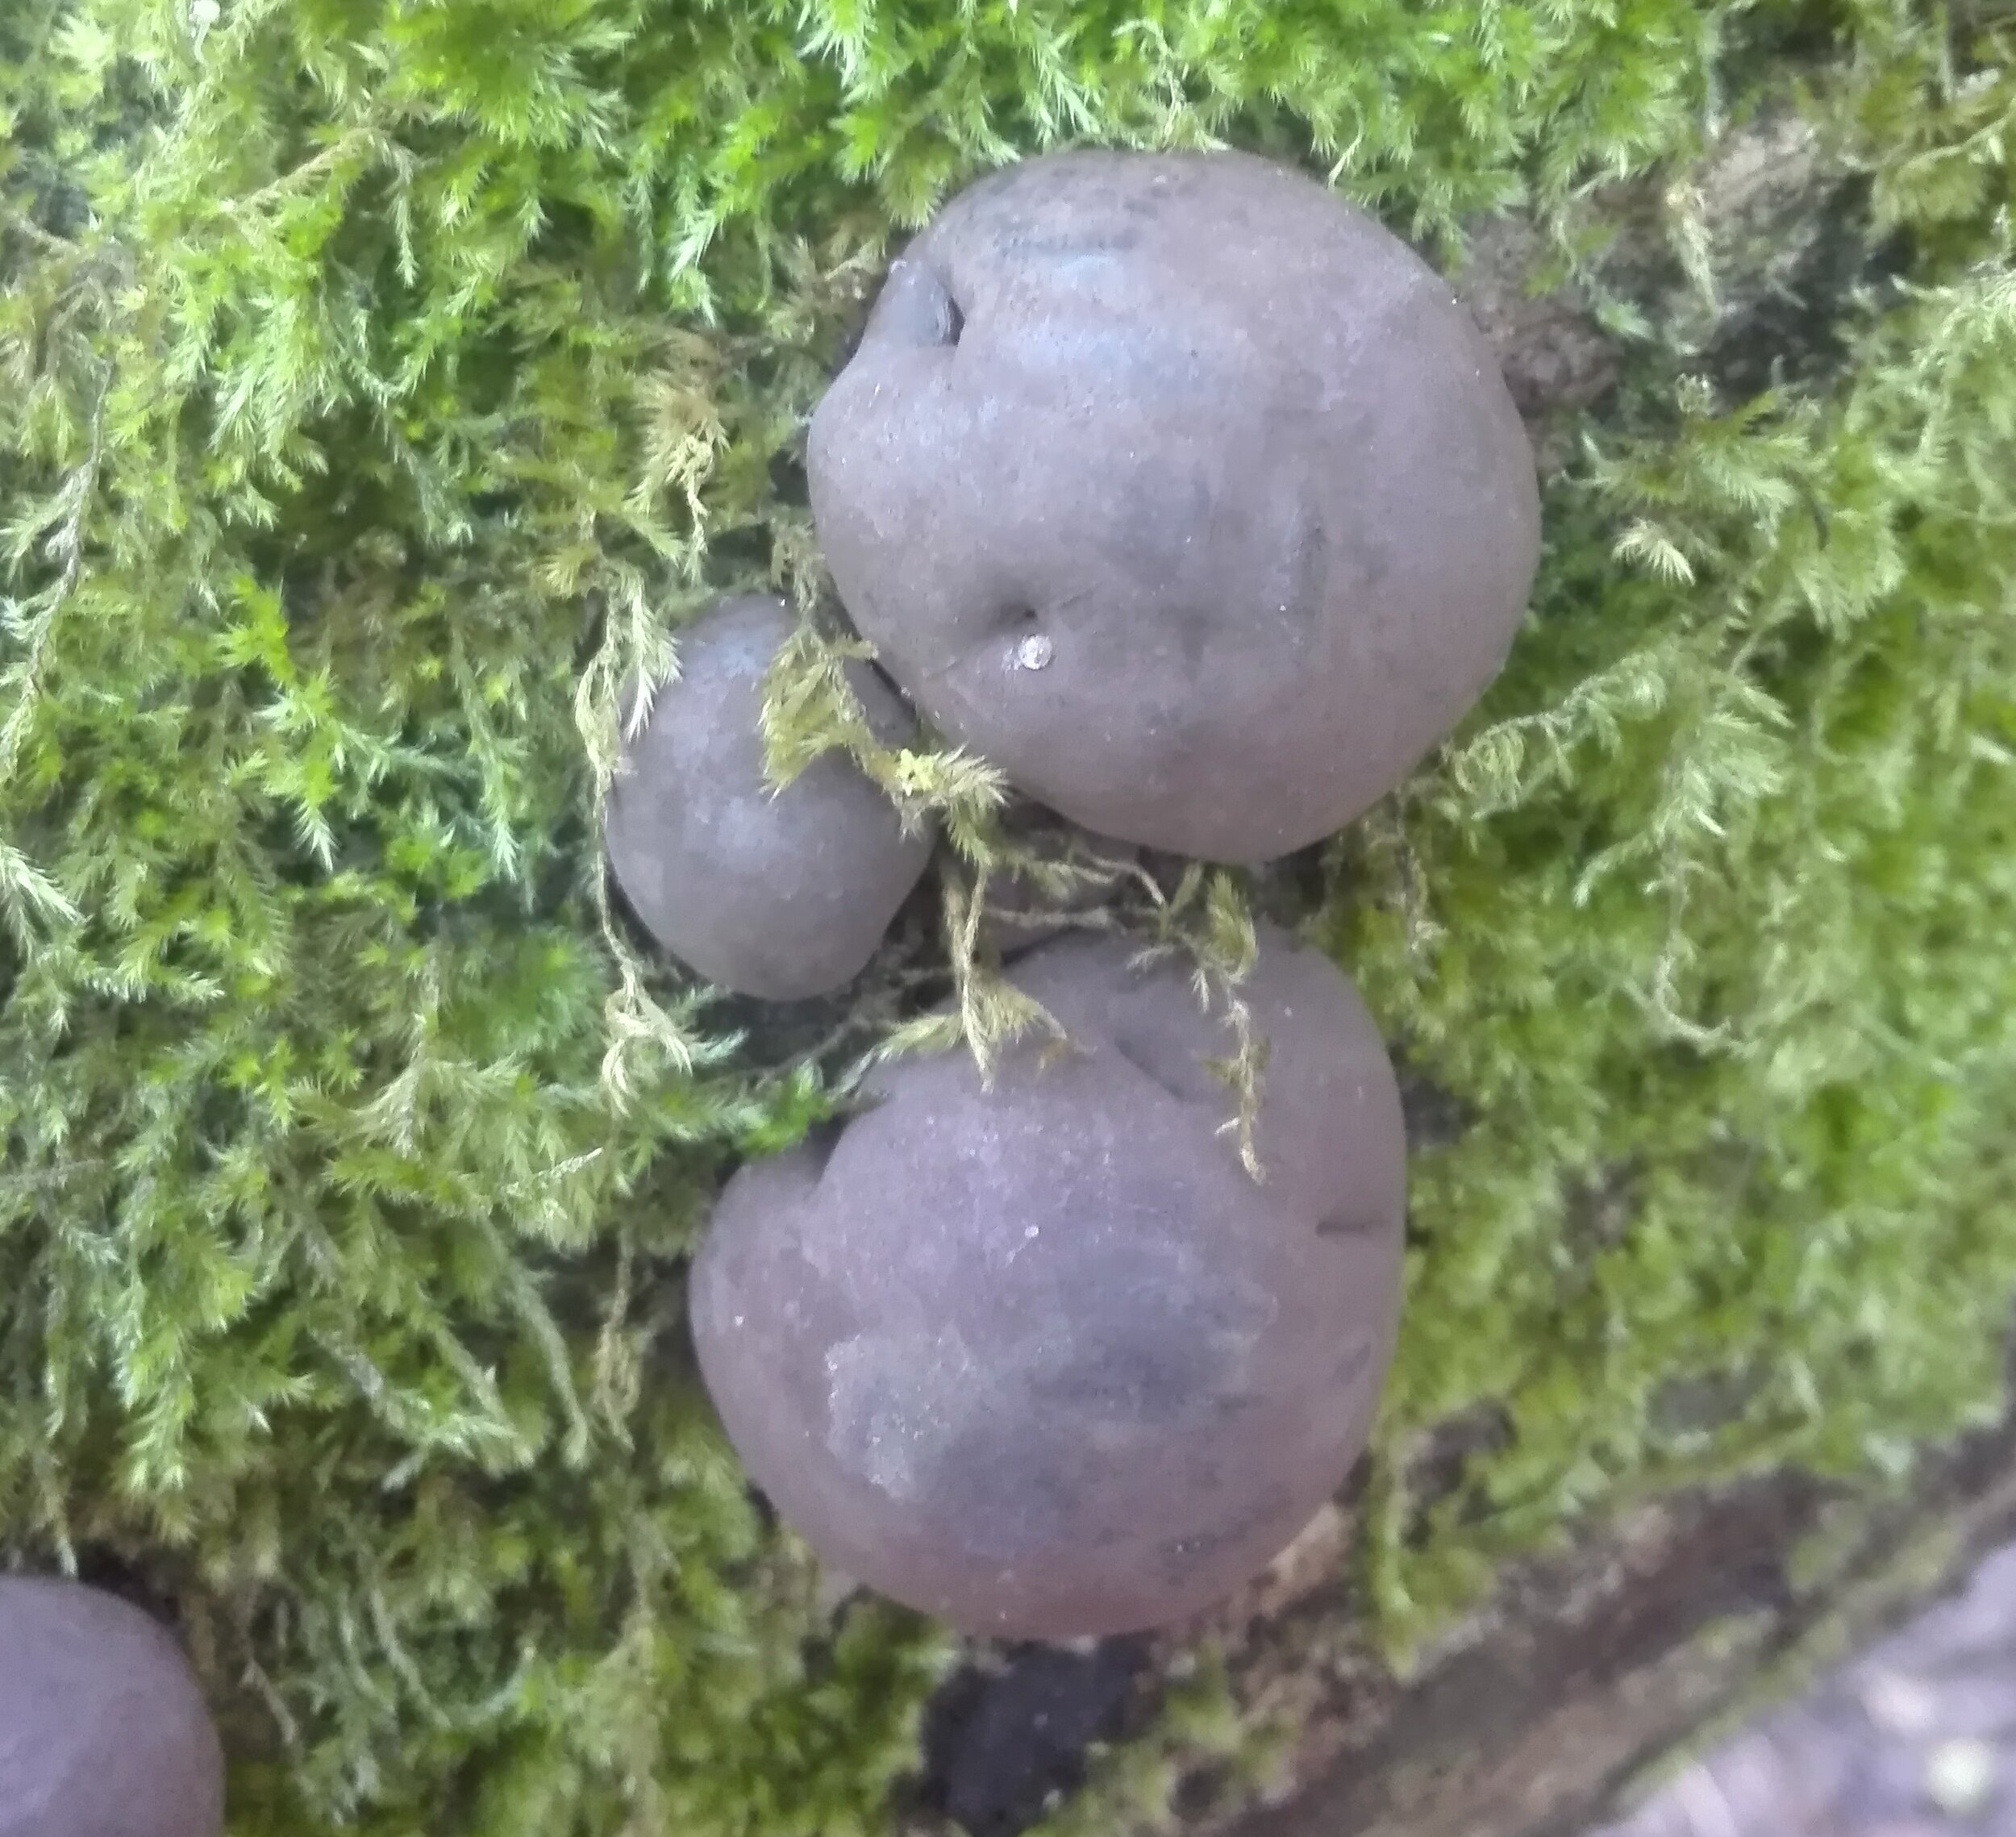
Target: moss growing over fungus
{"x":780,"y":891}
{"x":381,"y":384}
{"x":1039,"y":1355}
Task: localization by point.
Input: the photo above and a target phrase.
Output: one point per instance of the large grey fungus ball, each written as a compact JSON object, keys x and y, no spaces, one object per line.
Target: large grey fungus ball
{"x":782,"y":894}
{"x":1181,"y":490}
{"x":103,"y":1732}
{"x":1043,"y":1360}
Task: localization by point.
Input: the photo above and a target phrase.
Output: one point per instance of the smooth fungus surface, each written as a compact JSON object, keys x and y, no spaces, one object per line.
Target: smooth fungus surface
{"x":102,"y":1730}
{"x":1043,"y":1360}
{"x":777,"y":893}
{"x":1181,"y":490}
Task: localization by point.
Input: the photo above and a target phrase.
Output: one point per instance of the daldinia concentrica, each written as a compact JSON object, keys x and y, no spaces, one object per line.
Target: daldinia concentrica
{"x":1045,"y":1360}
{"x":102,"y":1730}
{"x":777,"y":893}
{"x":1181,"y":490}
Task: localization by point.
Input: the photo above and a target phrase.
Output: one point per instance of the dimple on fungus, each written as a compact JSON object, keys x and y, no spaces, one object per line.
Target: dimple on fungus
{"x":103,"y":1732}
{"x":779,"y":893}
{"x":1043,"y":1360}
{"x":1181,"y":491}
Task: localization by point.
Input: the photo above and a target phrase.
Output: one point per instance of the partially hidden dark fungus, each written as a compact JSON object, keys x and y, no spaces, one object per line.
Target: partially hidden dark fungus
{"x":1043,"y":1360}
{"x":1023,"y":909}
{"x":1181,"y":490}
{"x":102,"y":1730}
{"x":782,"y":894}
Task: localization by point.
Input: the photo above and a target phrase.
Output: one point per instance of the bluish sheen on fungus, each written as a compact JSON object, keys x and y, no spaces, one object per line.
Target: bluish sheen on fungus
{"x":102,"y":1730}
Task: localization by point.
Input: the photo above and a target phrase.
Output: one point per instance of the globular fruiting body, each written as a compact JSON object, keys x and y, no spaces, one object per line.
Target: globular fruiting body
{"x":1181,"y":490}
{"x":1045,"y":1360}
{"x":103,"y":1732}
{"x":780,"y":894}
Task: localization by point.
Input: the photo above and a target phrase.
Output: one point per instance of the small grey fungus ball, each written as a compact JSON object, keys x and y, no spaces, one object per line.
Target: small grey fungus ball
{"x":782,"y":894}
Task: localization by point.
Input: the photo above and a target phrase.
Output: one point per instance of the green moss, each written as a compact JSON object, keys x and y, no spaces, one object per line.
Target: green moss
{"x":1696,"y":924}
{"x":383,"y":382}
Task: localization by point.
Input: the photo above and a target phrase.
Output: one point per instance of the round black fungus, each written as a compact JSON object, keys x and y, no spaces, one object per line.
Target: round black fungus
{"x":1045,"y":1360}
{"x":1181,"y":490}
{"x":102,"y":1730}
{"x":782,"y":894}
